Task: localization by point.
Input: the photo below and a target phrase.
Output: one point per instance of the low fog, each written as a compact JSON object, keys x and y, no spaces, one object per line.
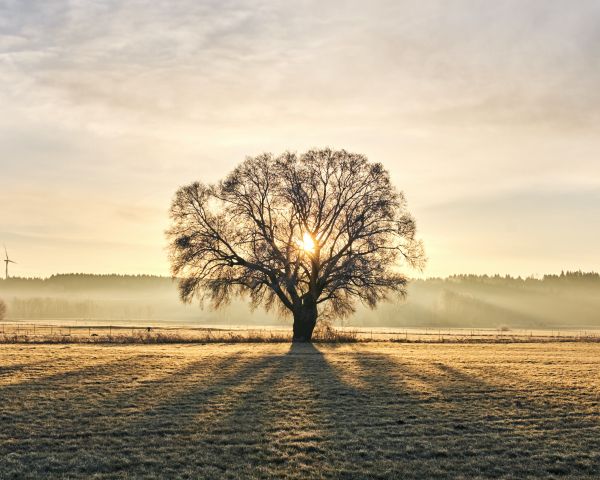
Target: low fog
{"x":553,"y":301}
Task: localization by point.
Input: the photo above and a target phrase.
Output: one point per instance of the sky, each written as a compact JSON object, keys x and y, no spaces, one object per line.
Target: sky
{"x":486,"y":114}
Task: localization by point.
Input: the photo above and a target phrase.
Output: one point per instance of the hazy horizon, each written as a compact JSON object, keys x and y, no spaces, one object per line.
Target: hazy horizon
{"x":417,"y":275}
{"x":487,"y":117}
{"x":565,"y":301}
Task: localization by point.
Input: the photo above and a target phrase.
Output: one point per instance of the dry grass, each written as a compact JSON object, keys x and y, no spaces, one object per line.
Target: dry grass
{"x":274,"y":411}
{"x":125,"y":335}
{"x":19,"y":332}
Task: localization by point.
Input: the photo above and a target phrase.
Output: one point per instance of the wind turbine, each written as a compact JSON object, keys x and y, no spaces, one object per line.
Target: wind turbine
{"x":6,"y":262}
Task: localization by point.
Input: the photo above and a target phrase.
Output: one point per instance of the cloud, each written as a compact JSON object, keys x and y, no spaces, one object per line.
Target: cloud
{"x":120,"y":102}
{"x":234,"y":61}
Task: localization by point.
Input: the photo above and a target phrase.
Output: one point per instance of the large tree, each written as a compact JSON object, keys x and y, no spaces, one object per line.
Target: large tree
{"x":308,"y":234}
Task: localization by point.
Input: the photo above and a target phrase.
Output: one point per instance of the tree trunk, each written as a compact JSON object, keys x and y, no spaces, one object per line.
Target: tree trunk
{"x":305,"y":319}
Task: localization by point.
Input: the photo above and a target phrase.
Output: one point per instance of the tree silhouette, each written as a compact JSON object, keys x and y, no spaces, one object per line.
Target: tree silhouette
{"x":306,"y":234}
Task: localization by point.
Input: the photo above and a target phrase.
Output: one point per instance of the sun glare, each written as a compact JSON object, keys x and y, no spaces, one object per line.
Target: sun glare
{"x":307,"y":243}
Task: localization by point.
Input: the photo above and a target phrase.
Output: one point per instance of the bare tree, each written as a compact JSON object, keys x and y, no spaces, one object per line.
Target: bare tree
{"x":306,"y":234}
{"x":2,"y":309}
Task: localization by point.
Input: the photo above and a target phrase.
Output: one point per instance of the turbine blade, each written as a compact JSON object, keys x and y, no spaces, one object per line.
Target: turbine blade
{"x":11,"y":261}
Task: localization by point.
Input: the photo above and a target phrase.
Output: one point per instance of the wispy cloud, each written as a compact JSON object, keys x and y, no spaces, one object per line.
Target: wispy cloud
{"x":121,"y":101}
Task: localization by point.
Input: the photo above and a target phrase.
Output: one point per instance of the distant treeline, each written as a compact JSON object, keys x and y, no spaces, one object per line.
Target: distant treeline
{"x":139,"y":298}
{"x":85,"y":281}
{"x":576,"y":279}
{"x":570,"y":299}
{"x":78,"y":282}
{"x":49,"y":308}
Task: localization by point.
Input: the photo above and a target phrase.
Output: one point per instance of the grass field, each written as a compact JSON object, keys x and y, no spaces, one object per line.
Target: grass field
{"x":273,"y":411}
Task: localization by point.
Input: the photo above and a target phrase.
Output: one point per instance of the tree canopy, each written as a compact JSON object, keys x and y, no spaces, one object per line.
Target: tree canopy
{"x":309,"y":234}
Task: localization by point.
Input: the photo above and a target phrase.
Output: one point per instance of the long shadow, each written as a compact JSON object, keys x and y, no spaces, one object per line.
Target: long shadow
{"x":293,"y":415}
{"x":271,"y":423}
{"x":62,"y":376}
{"x":362,"y":434}
{"x":6,"y":370}
{"x":460,"y":426}
{"x":245,"y":436}
{"x":472,"y":427}
{"x":198,"y":424}
{"x":63,"y":379}
{"x":545,"y":393}
{"x":45,"y":419}
{"x":262,"y":420}
{"x":279,"y":426}
{"x":49,"y":405}
{"x":541,"y":413}
{"x":237,"y":415}
{"x":152,"y":394}
{"x":131,"y":430}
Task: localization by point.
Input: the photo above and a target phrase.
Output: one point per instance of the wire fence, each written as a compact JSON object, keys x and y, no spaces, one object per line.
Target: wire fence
{"x":33,"y":331}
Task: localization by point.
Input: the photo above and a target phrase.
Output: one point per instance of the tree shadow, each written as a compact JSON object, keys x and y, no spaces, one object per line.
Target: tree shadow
{"x":90,"y":421}
{"x":463,"y":425}
{"x":6,"y":370}
{"x":291,"y":415}
{"x":202,"y":427}
{"x":262,"y":416}
{"x":343,"y":412}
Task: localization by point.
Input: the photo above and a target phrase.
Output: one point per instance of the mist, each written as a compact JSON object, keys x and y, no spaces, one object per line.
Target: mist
{"x":568,"y":300}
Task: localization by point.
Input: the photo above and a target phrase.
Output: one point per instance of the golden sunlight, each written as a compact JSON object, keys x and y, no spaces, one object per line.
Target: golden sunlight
{"x":307,"y":243}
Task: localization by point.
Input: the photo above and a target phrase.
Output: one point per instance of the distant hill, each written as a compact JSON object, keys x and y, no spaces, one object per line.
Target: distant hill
{"x":571,"y":299}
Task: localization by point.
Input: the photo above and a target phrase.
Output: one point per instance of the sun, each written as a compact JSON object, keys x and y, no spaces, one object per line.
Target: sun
{"x":307,"y":243}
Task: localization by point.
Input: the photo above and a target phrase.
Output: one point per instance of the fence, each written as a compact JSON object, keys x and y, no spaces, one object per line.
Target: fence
{"x":40,"y":331}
